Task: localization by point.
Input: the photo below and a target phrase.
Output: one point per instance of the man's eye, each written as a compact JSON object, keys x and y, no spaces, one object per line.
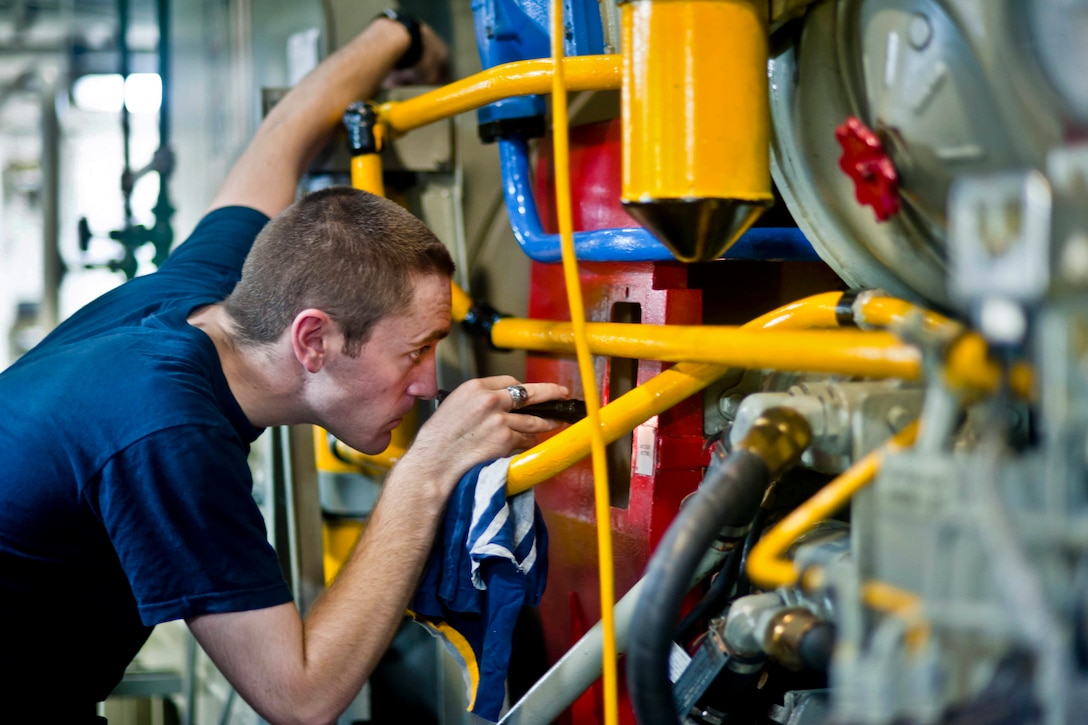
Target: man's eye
{"x":417,"y":355}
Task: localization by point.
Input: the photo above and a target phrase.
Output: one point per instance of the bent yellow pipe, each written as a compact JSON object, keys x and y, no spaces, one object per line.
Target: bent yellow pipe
{"x":814,"y":312}
{"x":882,"y":311}
{"x":824,"y":310}
{"x":768,"y":566}
{"x":898,"y":602}
{"x":969,"y":368}
{"x":617,"y":418}
{"x":378,"y":462}
{"x":520,"y":78}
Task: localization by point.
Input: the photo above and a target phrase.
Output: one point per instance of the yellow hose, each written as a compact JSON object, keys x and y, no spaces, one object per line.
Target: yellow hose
{"x":564,"y":216}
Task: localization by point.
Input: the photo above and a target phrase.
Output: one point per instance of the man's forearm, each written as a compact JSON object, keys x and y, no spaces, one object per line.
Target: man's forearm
{"x":373,"y":589}
{"x":292,"y":670}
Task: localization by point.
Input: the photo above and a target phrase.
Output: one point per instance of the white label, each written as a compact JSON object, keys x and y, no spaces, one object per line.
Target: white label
{"x":678,"y":662}
{"x":645,"y":450}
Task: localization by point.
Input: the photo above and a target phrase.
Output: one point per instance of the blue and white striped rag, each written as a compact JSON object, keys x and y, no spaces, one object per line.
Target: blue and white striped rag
{"x":490,"y":559}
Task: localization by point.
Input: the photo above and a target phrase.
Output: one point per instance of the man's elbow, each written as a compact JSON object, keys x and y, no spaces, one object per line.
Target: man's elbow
{"x":291,"y":705}
{"x":311,"y":712}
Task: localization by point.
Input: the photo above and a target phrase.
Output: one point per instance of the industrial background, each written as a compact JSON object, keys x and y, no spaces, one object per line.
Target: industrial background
{"x":845,"y":239}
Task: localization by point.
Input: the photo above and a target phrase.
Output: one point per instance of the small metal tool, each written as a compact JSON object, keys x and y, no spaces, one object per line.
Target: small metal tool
{"x":567,"y":411}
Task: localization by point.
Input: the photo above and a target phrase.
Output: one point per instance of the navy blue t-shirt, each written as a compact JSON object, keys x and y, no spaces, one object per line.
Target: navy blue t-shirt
{"x":125,"y":493}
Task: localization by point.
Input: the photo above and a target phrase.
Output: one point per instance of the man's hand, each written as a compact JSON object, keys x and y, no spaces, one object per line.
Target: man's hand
{"x":432,"y":68}
{"x":475,"y":424}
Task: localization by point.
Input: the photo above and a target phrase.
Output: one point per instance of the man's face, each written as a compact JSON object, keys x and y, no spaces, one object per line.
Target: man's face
{"x":396,"y":367}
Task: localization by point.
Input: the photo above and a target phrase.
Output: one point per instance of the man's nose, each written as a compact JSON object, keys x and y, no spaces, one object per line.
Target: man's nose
{"x":424,"y":383}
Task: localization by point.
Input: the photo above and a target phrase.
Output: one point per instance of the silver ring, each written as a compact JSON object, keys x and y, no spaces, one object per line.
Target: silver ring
{"x":518,"y":396}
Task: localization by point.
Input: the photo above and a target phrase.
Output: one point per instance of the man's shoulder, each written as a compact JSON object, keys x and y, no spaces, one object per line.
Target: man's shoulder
{"x":157,"y":370}
{"x":221,"y":238}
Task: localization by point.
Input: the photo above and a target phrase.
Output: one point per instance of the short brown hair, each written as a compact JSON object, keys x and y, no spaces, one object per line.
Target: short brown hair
{"x":344,"y":251}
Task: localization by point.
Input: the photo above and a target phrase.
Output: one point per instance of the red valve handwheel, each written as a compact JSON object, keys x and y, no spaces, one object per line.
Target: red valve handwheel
{"x":876,"y":182}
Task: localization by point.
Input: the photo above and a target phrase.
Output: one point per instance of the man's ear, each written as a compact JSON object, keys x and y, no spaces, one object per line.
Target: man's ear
{"x":313,"y":337}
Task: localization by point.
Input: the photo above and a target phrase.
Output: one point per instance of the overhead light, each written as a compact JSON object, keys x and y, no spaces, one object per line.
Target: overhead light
{"x":105,"y":92}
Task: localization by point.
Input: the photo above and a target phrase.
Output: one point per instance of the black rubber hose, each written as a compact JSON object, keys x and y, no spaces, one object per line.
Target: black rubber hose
{"x":721,"y":590}
{"x":816,"y":646}
{"x":744,"y":584}
{"x":715,"y":599}
{"x":728,"y":497}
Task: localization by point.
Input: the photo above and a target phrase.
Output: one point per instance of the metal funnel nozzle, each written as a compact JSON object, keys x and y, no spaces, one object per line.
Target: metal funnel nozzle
{"x":696,"y":230}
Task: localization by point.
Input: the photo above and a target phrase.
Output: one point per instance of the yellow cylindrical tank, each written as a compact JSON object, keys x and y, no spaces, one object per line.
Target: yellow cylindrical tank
{"x":696,"y":120}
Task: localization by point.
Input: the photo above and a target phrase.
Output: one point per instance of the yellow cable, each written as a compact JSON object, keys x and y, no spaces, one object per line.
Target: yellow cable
{"x":585,"y":364}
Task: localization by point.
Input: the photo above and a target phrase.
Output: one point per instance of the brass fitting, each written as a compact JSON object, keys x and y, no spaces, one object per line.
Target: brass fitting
{"x":779,"y":436}
{"x":782,"y":640}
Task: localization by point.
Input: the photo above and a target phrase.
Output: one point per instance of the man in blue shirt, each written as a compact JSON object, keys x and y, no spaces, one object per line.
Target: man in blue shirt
{"x":125,"y":494}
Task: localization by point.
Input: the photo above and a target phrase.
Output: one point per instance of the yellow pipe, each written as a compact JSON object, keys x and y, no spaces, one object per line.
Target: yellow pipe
{"x":768,"y":566}
{"x":881,"y":311}
{"x":521,"y":78}
{"x":969,"y":367}
{"x":462,"y":303}
{"x":906,"y":605}
{"x":873,"y":310}
{"x":888,"y":598}
{"x":564,"y":217}
{"x":617,"y":418}
{"x":326,"y":458}
{"x":338,"y":538}
{"x":847,"y":352}
{"x":379,"y":462}
{"x":366,"y":172}
{"x":814,"y":312}
{"x":376,"y":463}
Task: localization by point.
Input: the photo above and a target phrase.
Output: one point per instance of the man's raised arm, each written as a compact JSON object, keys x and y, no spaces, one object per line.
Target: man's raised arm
{"x":266,"y":175}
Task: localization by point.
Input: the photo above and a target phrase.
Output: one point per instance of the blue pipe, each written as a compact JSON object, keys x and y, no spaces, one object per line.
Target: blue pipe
{"x":633,"y":244}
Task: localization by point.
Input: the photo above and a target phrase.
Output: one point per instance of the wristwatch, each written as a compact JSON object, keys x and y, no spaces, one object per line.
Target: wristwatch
{"x":411,"y":24}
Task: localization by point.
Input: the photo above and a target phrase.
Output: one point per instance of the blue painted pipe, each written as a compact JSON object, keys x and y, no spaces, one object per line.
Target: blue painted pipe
{"x":633,"y":244}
